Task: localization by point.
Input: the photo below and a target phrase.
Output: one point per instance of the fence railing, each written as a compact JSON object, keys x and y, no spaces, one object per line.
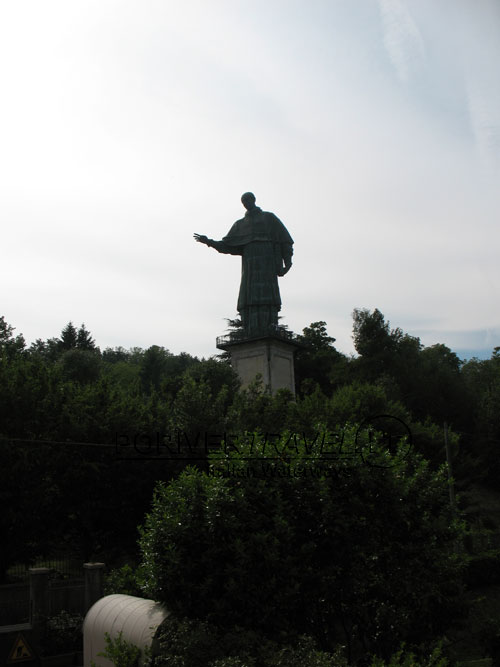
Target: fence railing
{"x":14,"y":604}
{"x":241,"y":336}
{"x":46,"y":594}
{"x":61,"y":568}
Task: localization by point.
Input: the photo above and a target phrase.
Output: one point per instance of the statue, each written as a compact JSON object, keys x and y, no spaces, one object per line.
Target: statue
{"x":266,"y":250}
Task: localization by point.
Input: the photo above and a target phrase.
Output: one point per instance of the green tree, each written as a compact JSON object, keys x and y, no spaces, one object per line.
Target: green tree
{"x":216,"y":374}
{"x":482,"y":384}
{"x":427,"y":380}
{"x":115,"y":354}
{"x":197,"y":412}
{"x":80,"y":365}
{"x":153,"y":367}
{"x":317,"y":361}
{"x":69,"y":337}
{"x":442,"y":394}
{"x":317,"y":338}
{"x":382,"y":352}
{"x":371,"y":333}
{"x":159,"y":366}
{"x":49,"y":349}
{"x":84,"y":340}
{"x":10,"y":345}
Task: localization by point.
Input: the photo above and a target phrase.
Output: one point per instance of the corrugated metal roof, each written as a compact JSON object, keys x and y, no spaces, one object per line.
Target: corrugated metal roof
{"x":137,"y":618}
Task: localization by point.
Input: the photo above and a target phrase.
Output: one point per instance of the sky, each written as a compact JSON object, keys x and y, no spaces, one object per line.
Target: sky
{"x":371,"y":128}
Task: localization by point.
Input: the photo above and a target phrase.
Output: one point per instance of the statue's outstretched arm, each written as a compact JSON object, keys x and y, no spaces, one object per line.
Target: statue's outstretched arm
{"x":201,"y":238}
{"x":220,"y":246}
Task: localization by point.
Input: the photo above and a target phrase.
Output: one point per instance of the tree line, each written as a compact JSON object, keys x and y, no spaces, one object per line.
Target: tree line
{"x":65,"y":390}
{"x":63,"y":402}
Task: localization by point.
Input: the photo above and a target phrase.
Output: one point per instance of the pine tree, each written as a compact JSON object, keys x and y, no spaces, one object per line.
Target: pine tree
{"x":84,"y":340}
{"x":68,"y":338}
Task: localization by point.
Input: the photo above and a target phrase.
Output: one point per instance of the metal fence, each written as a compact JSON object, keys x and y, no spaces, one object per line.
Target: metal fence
{"x":14,"y":604}
{"x":67,"y":595}
{"x":241,"y":336}
{"x":63,"y":595}
{"x":62,"y":568}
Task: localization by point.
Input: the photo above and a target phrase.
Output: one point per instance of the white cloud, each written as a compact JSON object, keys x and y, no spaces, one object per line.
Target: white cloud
{"x":482,"y":82}
{"x":402,"y":38}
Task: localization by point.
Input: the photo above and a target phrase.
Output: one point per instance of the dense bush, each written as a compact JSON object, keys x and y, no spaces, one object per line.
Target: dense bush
{"x":483,"y":569}
{"x":120,"y":652}
{"x":122,"y":580}
{"x":64,"y":634}
{"x":186,"y":643}
{"x":347,"y":553}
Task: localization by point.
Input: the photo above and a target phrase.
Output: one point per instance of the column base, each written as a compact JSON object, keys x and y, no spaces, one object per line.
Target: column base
{"x":271,"y":358}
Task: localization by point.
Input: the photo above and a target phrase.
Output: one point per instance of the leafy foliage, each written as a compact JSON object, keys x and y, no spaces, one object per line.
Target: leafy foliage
{"x":188,"y":643}
{"x":362,"y":555}
{"x":10,"y":346}
{"x":318,"y":363}
{"x":64,"y":634}
{"x":68,"y":413}
{"x":121,"y":652}
{"x":122,"y":580}
{"x":69,"y":337}
{"x":403,"y":658}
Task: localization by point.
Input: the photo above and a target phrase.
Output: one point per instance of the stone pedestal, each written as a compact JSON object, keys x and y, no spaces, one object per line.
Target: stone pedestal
{"x":269,"y":357}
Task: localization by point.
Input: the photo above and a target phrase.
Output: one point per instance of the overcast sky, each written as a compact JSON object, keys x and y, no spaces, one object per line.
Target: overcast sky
{"x":370,"y":128}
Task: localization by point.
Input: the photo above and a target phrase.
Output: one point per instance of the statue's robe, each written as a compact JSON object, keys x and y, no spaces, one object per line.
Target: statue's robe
{"x":265,"y":247}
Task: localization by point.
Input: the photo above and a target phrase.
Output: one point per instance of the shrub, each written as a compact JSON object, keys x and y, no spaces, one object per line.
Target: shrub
{"x":122,"y":580}
{"x":119,"y":651}
{"x":347,"y":553}
{"x":187,"y":643}
{"x":404,"y":658}
{"x":63,"y":634}
{"x":483,"y":569}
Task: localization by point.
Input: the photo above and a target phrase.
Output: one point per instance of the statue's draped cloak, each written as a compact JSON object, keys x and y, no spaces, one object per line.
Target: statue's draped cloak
{"x":265,"y":245}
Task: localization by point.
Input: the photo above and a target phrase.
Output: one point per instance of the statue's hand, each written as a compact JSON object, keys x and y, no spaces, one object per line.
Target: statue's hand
{"x":286,"y":268}
{"x":201,"y":238}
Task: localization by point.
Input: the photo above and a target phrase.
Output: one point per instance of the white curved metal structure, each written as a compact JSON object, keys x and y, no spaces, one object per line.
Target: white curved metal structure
{"x":138,"y":619}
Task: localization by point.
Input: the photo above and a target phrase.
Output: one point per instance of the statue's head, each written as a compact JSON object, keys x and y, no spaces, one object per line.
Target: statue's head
{"x":248,"y":200}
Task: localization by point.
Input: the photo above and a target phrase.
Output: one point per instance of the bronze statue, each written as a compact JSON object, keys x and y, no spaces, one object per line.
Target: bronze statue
{"x":266,"y":250}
